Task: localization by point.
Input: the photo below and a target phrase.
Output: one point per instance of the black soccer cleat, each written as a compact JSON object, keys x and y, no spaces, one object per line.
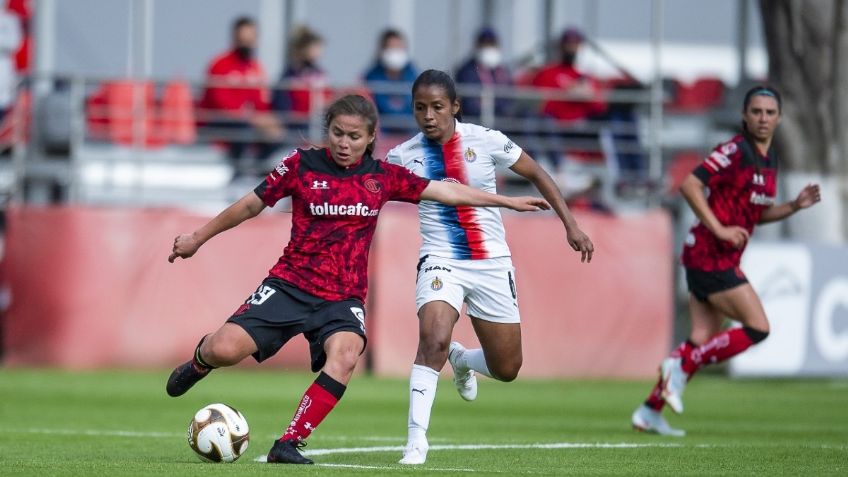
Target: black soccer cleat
{"x":184,"y":377}
{"x":286,"y":452}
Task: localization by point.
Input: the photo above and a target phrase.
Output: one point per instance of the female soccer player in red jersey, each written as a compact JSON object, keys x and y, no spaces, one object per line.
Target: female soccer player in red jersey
{"x":741,"y":175}
{"x":464,"y":257}
{"x":318,"y":285}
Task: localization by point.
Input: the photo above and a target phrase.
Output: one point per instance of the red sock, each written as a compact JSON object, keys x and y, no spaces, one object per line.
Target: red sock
{"x":317,"y":402}
{"x":655,"y":400}
{"x":720,"y":347}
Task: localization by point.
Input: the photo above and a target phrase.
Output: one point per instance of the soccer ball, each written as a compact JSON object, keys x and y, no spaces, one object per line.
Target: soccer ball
{"x":218,"y":433}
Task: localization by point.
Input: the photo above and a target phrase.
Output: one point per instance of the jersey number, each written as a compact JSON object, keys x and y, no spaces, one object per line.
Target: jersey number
{"x":261,"y":295}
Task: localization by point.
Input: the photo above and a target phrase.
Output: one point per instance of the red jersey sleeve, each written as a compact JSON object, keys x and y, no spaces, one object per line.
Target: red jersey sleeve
{"x":280,"y":182}
{"x":719,"y":165}
{"x":404,"y":186}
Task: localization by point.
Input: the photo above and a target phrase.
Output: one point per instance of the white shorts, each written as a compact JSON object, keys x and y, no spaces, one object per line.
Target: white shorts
{"x":487,"y":286}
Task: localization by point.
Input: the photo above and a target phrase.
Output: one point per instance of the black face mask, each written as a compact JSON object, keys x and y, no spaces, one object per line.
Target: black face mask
{"x":244,"y":52}
{"x":568,"y":58}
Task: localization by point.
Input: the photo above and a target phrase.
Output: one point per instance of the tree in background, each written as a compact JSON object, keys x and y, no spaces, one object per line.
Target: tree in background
{"x":807,"y":44}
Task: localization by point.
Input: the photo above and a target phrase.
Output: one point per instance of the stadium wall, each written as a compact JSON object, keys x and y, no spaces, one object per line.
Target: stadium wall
{"x":91,"y":287}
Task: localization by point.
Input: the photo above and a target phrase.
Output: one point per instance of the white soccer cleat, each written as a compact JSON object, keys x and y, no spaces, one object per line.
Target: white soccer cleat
{"x":674,"y":383}
{"x":646,"y":419}
{"x":463,"y":378}
{"x":415,"y":453}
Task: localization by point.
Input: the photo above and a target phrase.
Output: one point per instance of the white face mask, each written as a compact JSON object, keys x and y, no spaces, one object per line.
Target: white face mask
{"x":489,"y":56}
{"x":394,"y":58}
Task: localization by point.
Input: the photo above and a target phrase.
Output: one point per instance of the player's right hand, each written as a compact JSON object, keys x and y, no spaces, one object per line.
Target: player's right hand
{"x":736,"y":235}
{"x":185,"y":246}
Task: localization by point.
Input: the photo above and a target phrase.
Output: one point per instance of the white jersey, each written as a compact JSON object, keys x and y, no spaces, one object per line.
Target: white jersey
{"x":470,"y":157}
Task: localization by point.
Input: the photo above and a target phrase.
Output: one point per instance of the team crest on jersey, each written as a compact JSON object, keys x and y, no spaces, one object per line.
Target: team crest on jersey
{"x":436,"y":284}
{"x":508,"y":146}
{"x":371,"y":185}
{"x":470,"y":155}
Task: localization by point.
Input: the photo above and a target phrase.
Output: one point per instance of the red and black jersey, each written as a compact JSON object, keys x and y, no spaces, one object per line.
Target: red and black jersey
{"x":742,"y":183}
{"x":334,"y":215}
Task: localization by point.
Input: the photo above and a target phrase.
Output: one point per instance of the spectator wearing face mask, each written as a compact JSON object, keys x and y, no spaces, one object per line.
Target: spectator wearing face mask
{"x":392,"y":70}
{"x":484,"y":67}
{"x":562,"y":74}
{"x":235,"y":107}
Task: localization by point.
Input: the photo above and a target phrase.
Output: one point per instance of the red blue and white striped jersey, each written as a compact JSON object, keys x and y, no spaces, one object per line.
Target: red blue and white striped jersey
{"x":470,"y":157}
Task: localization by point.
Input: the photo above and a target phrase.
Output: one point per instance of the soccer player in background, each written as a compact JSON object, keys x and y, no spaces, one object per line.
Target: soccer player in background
{"x":741,"y":176}
{"x":318,"y":285}
{"x":464,"y":257}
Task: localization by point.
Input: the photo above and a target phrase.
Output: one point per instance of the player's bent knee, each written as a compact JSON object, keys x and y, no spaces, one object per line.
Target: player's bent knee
{"x":222,"y":354}
{"x":756,"y":335}
{"x":506,"y":372}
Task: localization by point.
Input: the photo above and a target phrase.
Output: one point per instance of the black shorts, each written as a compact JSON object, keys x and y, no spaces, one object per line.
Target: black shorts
{"x":703,"y":284}
{"x":278,"y":311}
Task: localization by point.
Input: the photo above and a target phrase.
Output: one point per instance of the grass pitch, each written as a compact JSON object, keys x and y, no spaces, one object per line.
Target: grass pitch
{"x":122,"y":423}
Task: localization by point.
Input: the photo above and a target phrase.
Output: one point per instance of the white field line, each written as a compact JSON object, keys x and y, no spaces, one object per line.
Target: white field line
{"x":550,"y":445}
{"x":352,"y":450}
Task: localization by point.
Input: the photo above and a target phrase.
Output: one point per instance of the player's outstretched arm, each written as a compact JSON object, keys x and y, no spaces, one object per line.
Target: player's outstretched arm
{"x":450,"y":193}
{"x":528,"y":168}
{"x":808,"y":197}
{"x":186,"y":245}
{"x":693,"y":191}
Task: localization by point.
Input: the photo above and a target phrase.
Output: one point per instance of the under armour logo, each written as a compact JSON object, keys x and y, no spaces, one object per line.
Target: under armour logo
{"x":759,"y":179}
{"x":419,"y":390}
{"x":320,"y":185}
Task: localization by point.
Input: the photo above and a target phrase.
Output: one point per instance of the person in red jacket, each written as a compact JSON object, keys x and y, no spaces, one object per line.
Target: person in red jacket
{"x":235,"y":104}
{"x":585,"y":98}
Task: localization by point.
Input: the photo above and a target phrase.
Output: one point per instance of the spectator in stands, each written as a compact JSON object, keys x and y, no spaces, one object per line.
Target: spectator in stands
{"x":235,"y":104}
{"x":484,"y":67}
{"x":10,"y":39}
{"x":585,"y":95}
{"x":393,"y":65}
{"x":302,"y":76}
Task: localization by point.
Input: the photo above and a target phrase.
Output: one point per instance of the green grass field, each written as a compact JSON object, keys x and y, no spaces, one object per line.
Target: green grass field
{"x":122,"y":423}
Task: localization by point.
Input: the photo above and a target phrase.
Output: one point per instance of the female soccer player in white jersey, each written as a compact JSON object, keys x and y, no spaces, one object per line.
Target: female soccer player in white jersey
{"x":464,"y":256}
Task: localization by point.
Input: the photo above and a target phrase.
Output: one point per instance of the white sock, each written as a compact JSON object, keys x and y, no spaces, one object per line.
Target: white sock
{"x":474,"y":359}
{"x":422,"y":393}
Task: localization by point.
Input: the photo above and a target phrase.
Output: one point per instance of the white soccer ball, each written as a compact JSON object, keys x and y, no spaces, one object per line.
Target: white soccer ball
{"x":218,"y":433}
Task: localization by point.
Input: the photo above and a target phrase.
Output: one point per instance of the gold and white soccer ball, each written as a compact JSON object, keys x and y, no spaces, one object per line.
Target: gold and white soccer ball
{"x":218,"y":433}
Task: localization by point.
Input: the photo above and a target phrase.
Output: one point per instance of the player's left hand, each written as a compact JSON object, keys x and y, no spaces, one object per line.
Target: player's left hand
{"x":529,"y":204}
{"x":810,"y":195}
{"x":581,"y":242}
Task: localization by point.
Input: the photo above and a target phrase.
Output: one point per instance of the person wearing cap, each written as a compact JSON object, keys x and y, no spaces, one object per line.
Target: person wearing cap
{"x":485,"y":67}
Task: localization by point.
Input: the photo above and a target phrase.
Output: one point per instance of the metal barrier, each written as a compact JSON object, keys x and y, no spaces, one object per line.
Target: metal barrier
{"x":75,"y":116}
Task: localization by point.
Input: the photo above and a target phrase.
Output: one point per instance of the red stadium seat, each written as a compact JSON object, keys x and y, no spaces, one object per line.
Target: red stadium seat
{"x":14,"y":127}
{"x":175,"y":122}
{"x":681,"y":165}
{"x":111,"y":113}
{"x":703,"y":94}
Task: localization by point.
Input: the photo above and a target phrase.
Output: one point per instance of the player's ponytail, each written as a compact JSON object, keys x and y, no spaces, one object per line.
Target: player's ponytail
{"x":442,"y":80}
{"x":354,"y":105}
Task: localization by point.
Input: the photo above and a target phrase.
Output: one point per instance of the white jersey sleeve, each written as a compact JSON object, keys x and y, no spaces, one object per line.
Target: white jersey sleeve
{"x":501,"y":148}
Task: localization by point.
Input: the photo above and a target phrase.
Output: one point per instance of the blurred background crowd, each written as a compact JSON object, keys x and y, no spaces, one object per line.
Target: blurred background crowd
{"x":143,"y":102}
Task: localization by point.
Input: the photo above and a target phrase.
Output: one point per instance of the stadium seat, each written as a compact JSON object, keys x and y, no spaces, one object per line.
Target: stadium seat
{"x":14,"y":126}
{"x":111,"y":111}
{"x":701,"y":95}
{"x":175,"y":122}
{"x":679,"y":168}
